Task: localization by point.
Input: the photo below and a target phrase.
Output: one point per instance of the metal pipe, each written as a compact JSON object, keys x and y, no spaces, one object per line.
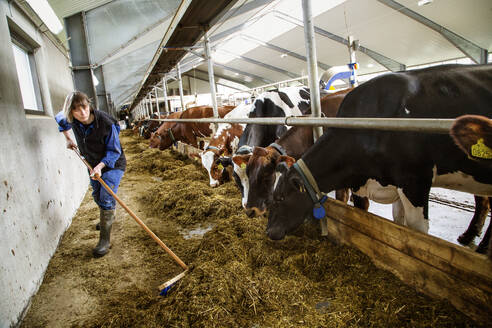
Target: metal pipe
{"x":352,"y":48}
{"x":312,"y":61}
{"x":180,"y":83}
{"x":157,"y":101}
{"x":387,"y":124}
{"x":164,"y":90}
{"x":211,"y":78}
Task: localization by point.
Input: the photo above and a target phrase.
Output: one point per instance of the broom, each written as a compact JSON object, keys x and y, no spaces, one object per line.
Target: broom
{"x":165,"y":287}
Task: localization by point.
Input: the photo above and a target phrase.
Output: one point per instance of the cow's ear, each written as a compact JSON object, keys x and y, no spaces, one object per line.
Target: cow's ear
{"x":239,"y":160}
{"x":287,"y":160}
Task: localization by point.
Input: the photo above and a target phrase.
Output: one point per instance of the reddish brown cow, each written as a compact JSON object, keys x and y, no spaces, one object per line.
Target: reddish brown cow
{"x":261,"y":164}
{"x":155,"y":137}
{"x":188,"y":132}
{"x":152,"y":126}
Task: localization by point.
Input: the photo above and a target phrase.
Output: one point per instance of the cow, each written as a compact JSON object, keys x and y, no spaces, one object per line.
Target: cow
{"x":223,"y":144}
{"x":290,"y":101}
{"x":473,"y":134}
{"x":261,"y":163}
{"x":388,"y":166}
{"x":152,"y":126}
{"x":188,"y":132}
{"x":155,"y":137}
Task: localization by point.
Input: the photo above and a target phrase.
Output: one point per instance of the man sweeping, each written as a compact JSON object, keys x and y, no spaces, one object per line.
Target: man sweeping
{"x":97,"y":136}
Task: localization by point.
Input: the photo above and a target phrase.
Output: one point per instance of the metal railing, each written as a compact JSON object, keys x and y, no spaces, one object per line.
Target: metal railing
{"x":387,"y":124}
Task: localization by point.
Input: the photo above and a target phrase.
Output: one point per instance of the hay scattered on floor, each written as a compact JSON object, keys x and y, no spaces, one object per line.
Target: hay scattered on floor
{"x":238,"y":277}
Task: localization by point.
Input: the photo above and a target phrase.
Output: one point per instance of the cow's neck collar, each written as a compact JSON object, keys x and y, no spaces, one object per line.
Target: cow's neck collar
{"x":278,"y":148}
{"x":171,"y":135}
{"x":213,"y":148}
{"x":316,"y":195}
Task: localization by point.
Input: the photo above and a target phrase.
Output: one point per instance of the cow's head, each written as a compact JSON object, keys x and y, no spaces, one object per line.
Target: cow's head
{"x":155,"y":140}
{"x":239,"y":162}
{"x":291,"y":203}
{"x":168,"y":137}
{"x":261,"y":174}
{"x":216,"y":165}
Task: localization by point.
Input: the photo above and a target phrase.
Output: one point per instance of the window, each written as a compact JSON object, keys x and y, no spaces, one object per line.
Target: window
{"x":27,"y":74}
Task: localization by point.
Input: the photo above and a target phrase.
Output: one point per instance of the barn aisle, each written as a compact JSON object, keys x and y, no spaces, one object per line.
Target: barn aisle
{"x":237,"y":278}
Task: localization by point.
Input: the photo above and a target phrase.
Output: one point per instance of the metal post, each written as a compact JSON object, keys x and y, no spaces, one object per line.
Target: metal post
{"x":157,"y":102}
{"x":151,"y":108}
{"x":352,"y":45}
{"x":164,"y":90}
{"x":312,"y":65}
{"x":180,"y":83}
{"x":211,"y":78}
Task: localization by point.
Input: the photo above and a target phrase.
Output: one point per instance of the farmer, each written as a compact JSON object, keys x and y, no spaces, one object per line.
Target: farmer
{"x":97,"y":136}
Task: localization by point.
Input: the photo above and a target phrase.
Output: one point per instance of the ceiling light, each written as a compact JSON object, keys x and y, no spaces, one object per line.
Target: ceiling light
{"x":283,"y":55}
{"x":370,"y":65}
{"x":423,"y":2}
{"x":47,"y":15}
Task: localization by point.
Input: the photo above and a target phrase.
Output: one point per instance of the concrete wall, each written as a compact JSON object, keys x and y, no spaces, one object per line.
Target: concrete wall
{"x":41,"y":182}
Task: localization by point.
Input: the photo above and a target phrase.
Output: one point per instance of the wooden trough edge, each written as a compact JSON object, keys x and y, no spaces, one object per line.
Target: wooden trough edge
{"x":433,"y":266}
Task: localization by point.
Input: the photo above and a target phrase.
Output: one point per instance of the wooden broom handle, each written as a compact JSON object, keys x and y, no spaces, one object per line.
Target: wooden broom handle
{"x":134,"y":216}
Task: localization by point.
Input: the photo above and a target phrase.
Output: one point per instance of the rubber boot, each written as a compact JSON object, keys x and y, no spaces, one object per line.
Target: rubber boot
{"x":106,"y":220}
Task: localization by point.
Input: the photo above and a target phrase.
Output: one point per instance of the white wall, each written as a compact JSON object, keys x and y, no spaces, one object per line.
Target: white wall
{"x":41,"y":182}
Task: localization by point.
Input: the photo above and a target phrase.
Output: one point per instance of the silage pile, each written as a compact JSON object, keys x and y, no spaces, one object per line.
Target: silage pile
{"x":239,"y":278}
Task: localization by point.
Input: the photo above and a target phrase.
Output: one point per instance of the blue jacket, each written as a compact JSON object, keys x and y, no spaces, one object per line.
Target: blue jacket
{"x":98,"y":141}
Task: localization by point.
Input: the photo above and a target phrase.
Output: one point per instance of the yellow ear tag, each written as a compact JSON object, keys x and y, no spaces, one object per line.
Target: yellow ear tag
{"x":243,"y":165}
{"x":220,"y":167}
{"x":480,"y":150}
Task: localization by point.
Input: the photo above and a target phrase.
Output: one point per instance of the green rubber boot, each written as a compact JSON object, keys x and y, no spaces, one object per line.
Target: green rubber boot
{"x":106,"y":221}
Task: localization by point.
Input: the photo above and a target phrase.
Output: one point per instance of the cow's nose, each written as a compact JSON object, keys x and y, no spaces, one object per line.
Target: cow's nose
{"x":250,"y":212}
{"x":214,"y":184}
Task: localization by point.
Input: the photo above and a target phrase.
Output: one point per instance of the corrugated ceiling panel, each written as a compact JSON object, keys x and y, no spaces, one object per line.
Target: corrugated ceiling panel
{"x":387,"y":32}
{"x":119,"y":21}
{"x":64,"y":8}
{"x":469,"y":19}
{"x":123,"y":75}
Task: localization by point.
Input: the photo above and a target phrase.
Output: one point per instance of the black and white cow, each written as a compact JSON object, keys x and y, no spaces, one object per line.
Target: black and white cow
{"x":387,"y":166}
{"x":290,"y":101}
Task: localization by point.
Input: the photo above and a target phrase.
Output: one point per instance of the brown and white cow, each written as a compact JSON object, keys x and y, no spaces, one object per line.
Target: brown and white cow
{"x":189,"y":132}
{"x":224,"y":143}
{"x":261,"y":163}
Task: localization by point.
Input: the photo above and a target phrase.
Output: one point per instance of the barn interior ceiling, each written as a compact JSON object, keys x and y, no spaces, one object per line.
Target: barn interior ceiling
{"x":262,"y":41}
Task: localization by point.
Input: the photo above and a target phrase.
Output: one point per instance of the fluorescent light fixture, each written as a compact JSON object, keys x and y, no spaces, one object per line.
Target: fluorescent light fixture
{"x":47,"y":15}
{"x":424,"y":2}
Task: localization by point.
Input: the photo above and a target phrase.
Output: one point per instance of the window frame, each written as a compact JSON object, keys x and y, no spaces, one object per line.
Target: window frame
{"x":30,"y":49}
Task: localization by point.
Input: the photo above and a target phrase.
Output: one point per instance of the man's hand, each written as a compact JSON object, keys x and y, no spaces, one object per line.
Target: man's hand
{"x":96,"y":171}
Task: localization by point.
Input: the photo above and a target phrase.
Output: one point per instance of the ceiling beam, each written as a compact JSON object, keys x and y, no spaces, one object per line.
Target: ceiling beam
{"x":188,"y":74}
{"x":200,"y":59}
{"x":470,"y":49}
{"x":389,"y":63}
{"x":106,"y":59}
{"x":281,"y":50}
{"x":265,"y":65}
